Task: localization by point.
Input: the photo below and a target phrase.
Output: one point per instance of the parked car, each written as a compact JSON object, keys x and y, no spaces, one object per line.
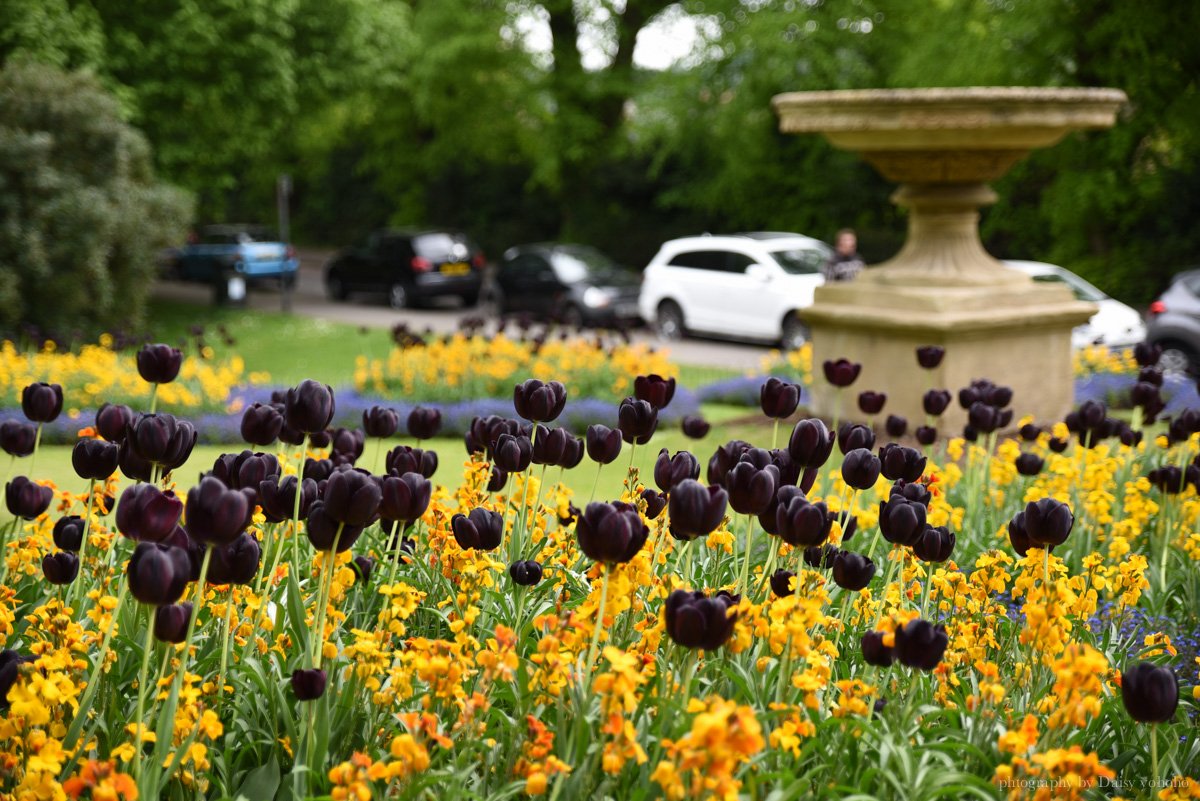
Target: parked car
{"x":230,"y":256}
{"x":575,"y":284}
{"x":1175,"y":323}
{"x":743,"y":286}
{"x":409,"y":266}
{"x":1114,"y":325}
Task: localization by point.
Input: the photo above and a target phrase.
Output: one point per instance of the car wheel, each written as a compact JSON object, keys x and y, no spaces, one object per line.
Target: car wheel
{"x":795,"y":332}
{"x":336,"y":288}
{"x":1176,"y":359}
{"x":398,"y":296}
{"x":572,"y":317}
{"x":669,"y":321}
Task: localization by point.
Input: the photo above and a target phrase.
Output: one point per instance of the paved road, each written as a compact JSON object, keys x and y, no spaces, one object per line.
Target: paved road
{"x":309,"y":299}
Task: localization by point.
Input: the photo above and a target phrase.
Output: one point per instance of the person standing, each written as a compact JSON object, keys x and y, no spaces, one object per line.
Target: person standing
{"x":845,"y":264}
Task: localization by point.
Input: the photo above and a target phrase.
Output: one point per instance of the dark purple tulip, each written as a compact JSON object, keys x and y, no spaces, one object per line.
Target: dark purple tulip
{"x":1058,"y":445}
{"x":309,"y":406}
{"x":723,"y":460}
{"x":821,"y":557}
{"x":603,"y":444}
{"x":10,"y":665}
{"x":352,"y":497}
{"x":779,"y":399}
{"x":901,"y":521}
{"x":572,"y":455}
{"x":289,"y":435}
{"x":60,"y":568}
{"x":871,"y":402}
{"x":404,"y":459}
{"x":1150,"y":693}
{"x":482,"y":529}
{"x":159,"y":364}
{"x":1144,"y":394}
{"x":784,"y":494}
{"x":898,"y":463}
{"x":983,"y":418}
{"x":802,"y":524}
{"x":695,"y":621}
{"x":42,"y":402}
{"x":695,"y":510}
{"x":1147,"y":354}
{"x":539,"y":402}
{"x":781,"y":583}
{"x":323,"y":530}
{"x":380,"y":422}
{"x":525,"y":573}
{"x":638,"y":421}
{"x":611,"y":532}
{"x":1092,"y":415}
{"x":998,"y":396}
{"x":811,"y":443}
{"x":1130,"y":438}
{"x":424,"y":423}
{"x":550,"y":445}
{"x":1029,"y":432}
{"x":245,"y":469}
{"x":920,"y":644}
{"x":405,"y":497}
{"x":751,"y":488}
{"x":308,"y":684}
{"x":852,"y":571}
{"x":321,"y":439}
{"x":860,"y":469}
{"x":936,"y":401}
{"x":216,"y":515}
{"x":934,"y":544}
{"x":852,"y":436}
{"x":513,"y":454}
{"x":348,"y":444}
{"x":895,"y":426}
{"x":112,"y":420}
{"x":1150,"y":375}
{"x":1017,"y":535}
{"x":841,"y":373}
{"x":171,"y":622}
{"x":849,"y":524}
{"x":874,"y":651}
{"x":68,"y":533}
{"x":694,"y":427}
{"x":17,"y":438}
{"x":147,"y":514}
{"x":158,"y":573}
{"x":278,"y":499}
{"x":930,"y":356}
{"x":670,"y":470}
{"x":161,"y":439}
{"x":195,"y":551}
{"x":1029,"y":464}
{"x":655,"y":503}
{"x":235,"y":563}
{"x":25,"y":499}
{"x":94,"y":459}
{"x":261,"y":424}
{"x":1167,"y":479}
{"x":969,"y":433}
{"x":1048,"y":522}
{"x":362,"y":566}
{"x":497,"y":479}
{"x":926,"y":435}
{"x":915,"y":491}
{"x":654,"y":389}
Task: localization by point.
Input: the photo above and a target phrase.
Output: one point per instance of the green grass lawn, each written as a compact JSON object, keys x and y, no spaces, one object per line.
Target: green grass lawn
{"x":54,"y":461}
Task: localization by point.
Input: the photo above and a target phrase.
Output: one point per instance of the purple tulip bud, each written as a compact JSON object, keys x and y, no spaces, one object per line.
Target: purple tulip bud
{"x":159,"y":364}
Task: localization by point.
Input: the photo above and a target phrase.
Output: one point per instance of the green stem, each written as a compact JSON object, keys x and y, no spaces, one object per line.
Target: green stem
{"x":37,"y":441}
{"x":591,"y":658}
{"x":87,"y":527}
{"x":147,"y":649}
{"x":225,"y":644}
{"x":595,"y":483}
{"x":93,"y":681}
{"x":296,"y":507}
{"x":1154,"y":754}
{"x":744,"y":581}
{"x":153,"y":397}
{"x":323,"y":595}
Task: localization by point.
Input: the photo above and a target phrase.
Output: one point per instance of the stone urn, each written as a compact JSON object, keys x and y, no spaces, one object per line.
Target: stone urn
{"x":943,"y":146}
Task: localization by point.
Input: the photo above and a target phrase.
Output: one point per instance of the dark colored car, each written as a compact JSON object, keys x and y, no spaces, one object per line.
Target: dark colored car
{"x":575,"y":284}
{"x":1175,"y":323}
{"x":409,"y":266}
{"x":230,"y":256}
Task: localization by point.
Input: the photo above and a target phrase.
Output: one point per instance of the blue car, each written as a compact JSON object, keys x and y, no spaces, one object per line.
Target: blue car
{"x":230,"y":256}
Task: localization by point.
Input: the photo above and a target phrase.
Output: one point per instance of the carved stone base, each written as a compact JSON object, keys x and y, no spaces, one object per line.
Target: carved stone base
{"x":1019,"y":336}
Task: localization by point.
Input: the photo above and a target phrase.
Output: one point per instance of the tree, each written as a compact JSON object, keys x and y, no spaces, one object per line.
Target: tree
{"x":81,"y":215}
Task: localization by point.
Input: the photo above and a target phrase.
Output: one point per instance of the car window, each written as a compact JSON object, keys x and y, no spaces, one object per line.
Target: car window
{"x":801,"y":261}
{"x":738,"y":262}
{"x":712,"y":260}
{"x":442,"y":246}
{"x":526,"y":266}
{"x":1082,"y":290}
{"x":581,"y":264}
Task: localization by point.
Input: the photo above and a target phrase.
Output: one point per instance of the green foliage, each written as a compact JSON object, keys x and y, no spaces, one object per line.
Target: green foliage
{"x":81,"y":215}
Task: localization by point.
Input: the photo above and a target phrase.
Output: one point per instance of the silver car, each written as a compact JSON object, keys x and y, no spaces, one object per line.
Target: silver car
{"x":1175,"y":324}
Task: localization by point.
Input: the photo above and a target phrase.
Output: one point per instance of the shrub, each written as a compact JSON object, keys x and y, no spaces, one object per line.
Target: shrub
{"x":81,"y":216}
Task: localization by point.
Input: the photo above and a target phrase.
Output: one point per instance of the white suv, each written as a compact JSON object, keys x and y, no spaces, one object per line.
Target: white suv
{"x":745,"y":286}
